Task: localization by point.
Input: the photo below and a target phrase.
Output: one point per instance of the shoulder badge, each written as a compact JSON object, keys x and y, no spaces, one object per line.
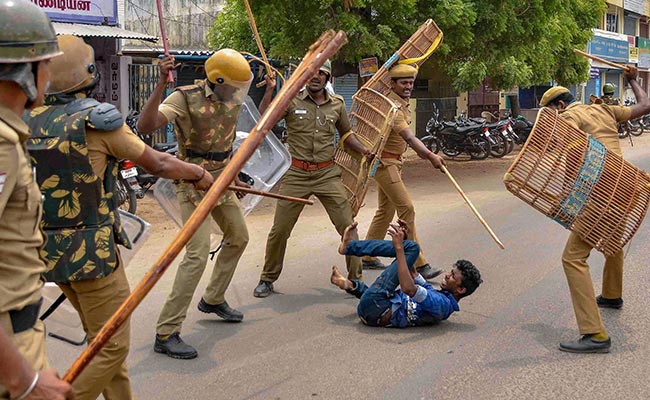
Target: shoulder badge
{"x":105,"y":117}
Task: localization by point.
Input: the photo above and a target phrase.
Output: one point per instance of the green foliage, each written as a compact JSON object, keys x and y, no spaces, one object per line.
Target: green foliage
{"x":512,"y":42}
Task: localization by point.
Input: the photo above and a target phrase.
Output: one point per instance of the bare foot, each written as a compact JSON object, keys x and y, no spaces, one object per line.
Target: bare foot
{"x":349,"y":234}
{"x":339,"y":280}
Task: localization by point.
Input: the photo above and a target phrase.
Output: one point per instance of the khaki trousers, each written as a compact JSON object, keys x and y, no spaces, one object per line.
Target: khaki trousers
{"x":393,"y":197}
{"x":228,"y":215}
{"x":30,"y":343}
{"x":96,"y":301}
{"x":326,"y":185}
{"x":574,"y":261}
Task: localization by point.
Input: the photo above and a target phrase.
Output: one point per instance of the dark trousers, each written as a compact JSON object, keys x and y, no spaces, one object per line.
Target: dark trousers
{"x":375,"y":299}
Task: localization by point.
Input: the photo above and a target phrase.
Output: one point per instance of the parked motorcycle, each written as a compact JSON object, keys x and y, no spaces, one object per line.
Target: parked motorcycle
{"x":454,"y":138}
{"x":127,"y":186}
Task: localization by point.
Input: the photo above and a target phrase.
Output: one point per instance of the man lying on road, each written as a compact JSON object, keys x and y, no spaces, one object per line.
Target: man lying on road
{"x":416,"y":302}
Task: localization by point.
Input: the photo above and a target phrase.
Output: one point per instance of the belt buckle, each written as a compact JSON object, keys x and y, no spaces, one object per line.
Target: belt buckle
{"x":312,"y":167}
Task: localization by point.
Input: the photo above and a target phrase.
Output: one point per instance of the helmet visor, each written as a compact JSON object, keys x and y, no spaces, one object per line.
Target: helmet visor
{"x":232,"y":92}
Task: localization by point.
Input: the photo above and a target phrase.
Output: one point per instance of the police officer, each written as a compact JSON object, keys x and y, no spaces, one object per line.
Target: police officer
{"x":312,"y":119}
{"x":608,"y":95}
{"x":76,"y":146}
{"x":600,"y":121}
{"x":392,"y":194}
{"x":205,"y":116}
{"x":27,"y":43}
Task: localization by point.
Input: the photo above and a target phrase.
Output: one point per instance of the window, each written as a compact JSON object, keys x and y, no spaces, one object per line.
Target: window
{"x":611,"y":22}
{"x":629,"y":25}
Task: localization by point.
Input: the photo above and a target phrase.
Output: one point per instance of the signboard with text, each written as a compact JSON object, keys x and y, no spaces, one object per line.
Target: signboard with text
{"x":644,"y":52}
{"x":368,"y":67}
{"x":610,"y":48}
{"x":94,"y":12}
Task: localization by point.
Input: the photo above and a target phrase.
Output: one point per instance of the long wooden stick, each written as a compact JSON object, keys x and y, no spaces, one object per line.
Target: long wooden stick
{"x":271,"y":195}
{"x":602,"y":60}
{"x":469,"y":203}
{"x":163,"y":33}
{"x":258,"y":40}
{"x":326,"y":46}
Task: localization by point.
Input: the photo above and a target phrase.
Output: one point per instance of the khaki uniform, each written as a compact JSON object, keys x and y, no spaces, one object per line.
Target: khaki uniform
{"x":600,"y":121}
{"x":311,"y":131}
{"x":227,"y":214}
{"x":391,"y":191}
{"x":20,"y":263}
{"x":96,"y":300}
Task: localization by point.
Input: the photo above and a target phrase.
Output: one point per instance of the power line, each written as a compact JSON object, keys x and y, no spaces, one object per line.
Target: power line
{"x":167,"y":18}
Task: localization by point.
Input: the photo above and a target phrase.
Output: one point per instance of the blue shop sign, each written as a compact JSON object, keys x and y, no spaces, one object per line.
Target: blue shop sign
{"x":610,"y":49}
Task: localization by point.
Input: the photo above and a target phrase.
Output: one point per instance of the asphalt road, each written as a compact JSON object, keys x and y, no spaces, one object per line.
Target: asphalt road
{"x":307,"y":342}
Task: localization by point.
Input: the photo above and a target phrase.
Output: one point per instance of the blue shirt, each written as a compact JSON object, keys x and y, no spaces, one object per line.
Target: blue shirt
{"x":427,"y":307}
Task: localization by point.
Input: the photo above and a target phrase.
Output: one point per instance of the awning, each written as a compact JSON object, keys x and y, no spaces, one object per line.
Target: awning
{"x":85,"y":30}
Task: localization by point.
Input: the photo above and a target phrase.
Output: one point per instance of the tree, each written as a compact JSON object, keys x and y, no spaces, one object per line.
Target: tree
{"x":513,"y":42}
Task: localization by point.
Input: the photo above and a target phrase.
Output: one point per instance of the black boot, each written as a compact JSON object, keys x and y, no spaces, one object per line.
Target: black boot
{"x":587,"y":344}
{"x":609,"y":303}
{"x":174,"y":347}
{"x":263,"y":289}
{"x":223,"y":310}
{"x":429,"y":272}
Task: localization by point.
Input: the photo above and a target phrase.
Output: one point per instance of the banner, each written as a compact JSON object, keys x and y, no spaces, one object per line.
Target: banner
{"x":94,"y":12}
{"x":368,"y":67}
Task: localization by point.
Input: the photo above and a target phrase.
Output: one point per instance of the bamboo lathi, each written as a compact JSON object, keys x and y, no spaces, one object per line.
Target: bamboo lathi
{"x":572,"y":178}
{"x":163,"y":35}
{"x":471,"y":206}
{"x":602,"y":60}
{"x":326,"y":46}
{"x":271,"y":195}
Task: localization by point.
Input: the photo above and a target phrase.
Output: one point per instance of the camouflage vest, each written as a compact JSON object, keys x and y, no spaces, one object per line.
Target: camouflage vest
{"x":213,"y":127}
{"x":80,"y":238}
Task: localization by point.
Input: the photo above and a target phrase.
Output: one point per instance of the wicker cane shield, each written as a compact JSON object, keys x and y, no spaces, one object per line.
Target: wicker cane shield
{"x":416,"y":50}
{"x":371,"y":116}
{"x":372,"y":113}
{"x":572,"y":178}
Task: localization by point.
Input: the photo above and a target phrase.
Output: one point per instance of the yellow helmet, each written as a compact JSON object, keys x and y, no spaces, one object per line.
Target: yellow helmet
{"x":75,"y":70}
{"x":227,"y":66}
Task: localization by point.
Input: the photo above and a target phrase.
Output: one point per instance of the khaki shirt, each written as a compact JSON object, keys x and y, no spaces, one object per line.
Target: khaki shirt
{"x":20,"y":213}
{"x":598,"y":120}
{"x":311,"y":128}
{"x":395,"y":143}
{"x":121,"y":143}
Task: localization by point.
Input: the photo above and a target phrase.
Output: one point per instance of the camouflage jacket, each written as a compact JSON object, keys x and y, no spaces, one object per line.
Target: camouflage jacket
{"x":81,"y":237}
{"x":213,"y":127}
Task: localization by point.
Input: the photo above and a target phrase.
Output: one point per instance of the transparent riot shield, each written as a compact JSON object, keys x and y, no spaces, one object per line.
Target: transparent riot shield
{"x":266,"y":166}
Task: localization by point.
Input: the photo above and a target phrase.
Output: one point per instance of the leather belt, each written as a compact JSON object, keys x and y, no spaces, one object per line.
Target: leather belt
{"x":211,"y":155}
{"x":386,"y":154}
{"x":307,"y":166}
{"x":25,"y":318}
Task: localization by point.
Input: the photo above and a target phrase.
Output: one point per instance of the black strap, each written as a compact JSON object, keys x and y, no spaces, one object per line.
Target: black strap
{"x":25,"y":318}
{"x":212,"y":155}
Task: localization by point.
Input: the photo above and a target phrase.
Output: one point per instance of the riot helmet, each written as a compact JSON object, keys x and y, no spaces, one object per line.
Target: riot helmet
{"x":608,"y":89}
{"x":230,"y":75}
{"x":75,"y":70}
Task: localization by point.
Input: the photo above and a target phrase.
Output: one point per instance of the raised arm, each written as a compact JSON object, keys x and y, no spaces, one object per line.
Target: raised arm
{"x":268,"y":93}
{"x":406,"y":282}
{"x":642,"y":106}
{"x":150,"y":118}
